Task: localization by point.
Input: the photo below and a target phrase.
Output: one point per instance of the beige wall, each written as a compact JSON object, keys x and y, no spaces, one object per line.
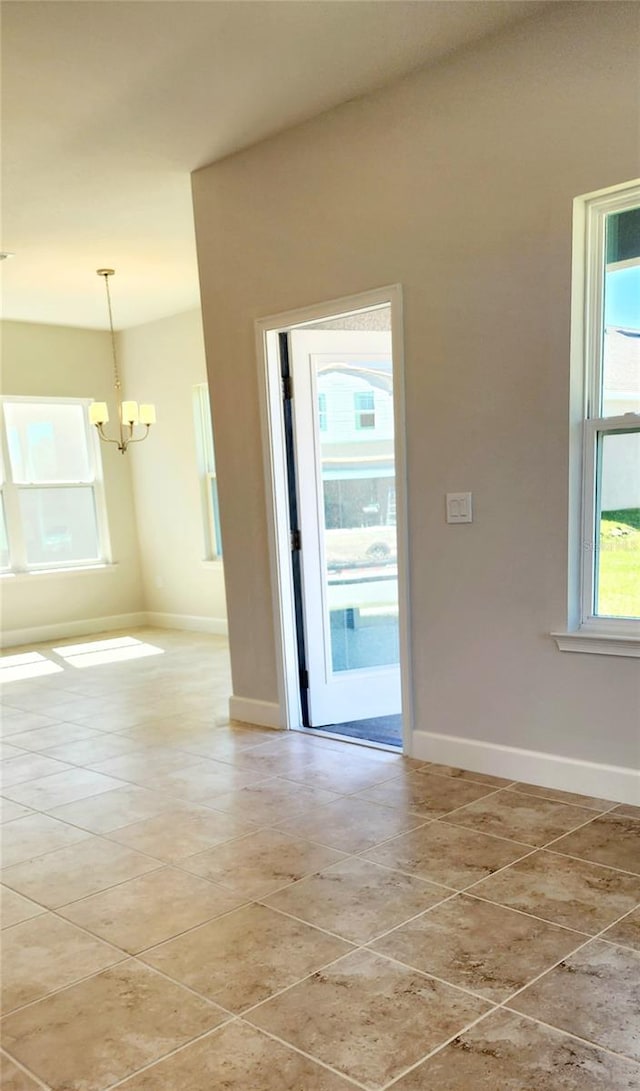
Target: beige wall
{"x":458,"y":184}
{"x":55,"y":361}
{"x":161,"y":363}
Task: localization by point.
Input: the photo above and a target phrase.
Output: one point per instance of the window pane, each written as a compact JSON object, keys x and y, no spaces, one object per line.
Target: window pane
{"x":621,"y":346}
{"x":214,"y":516}
{"x":358,"y":481}
{"x":4,"y":541}
{"x":618,"y":558}
{"x":47,"y":442}
{"x":59,"y":525}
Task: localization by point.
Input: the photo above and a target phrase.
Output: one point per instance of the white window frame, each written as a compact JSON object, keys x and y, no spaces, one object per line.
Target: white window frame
{"x":18,"y":564}
{"x":207,"y":468}
{"x":586,"y":631}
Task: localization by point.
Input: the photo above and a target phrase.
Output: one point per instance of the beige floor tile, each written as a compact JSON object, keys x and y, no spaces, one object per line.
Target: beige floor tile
{"x":16,"y":720}
{"x":112,"y":810}
{"x":13,"y":1078}
{"x":509,"y":1053}
{"x":45,"y":954}
{"x":465,"y":774}
{"x":626,"y":931}
{"x":592,"y":803}
{"x":227,"y":744}
{"x":485,"y":948}
{"x":111,"y":1025}
{"x":521,"y":817}
{"x":237,"y":1058}
{"x":29,"y":767}
{"x":613,"y":840}
{"x":351,"y":824}
{"x":593,"y":994}
{"x":35,"y":835}
{"x":10,"y":810}
{"x":151,"y":908}
{"x":180,"y":832}
{"x":272,"y":801}
{"x":627,"y":810}
{"x":97,"y":748}
{"x":14,"y":908}
{"x":53,"y":791}
{"x":275,"y":759}
{"x":426,"y":793}
{"x":368,"y":1017}
{"x":245,"y":956}
{"x":76,"y":872}
{"x":262,"y":862}
{"x":108,"y":718}
{"x":177,"y":733}
{"x":43,"y":738}
{"x":342,"y":773}
{"x":574,"y":893}
{"x":357,"y":899}
{"x":447,"y":854}
{"x":205,"y":781}
{"x":143,"y":765}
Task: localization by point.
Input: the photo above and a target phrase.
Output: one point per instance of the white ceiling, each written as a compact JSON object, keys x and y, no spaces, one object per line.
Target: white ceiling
{"x":108,"y":106}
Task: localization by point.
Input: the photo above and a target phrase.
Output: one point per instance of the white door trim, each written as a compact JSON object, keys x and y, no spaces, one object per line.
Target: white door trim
{"x":277,"y":501}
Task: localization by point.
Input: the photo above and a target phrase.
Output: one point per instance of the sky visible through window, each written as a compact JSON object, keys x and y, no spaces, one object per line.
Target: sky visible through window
{"x":622,"y":298}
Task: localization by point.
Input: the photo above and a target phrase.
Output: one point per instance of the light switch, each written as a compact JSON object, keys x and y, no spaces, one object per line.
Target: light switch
{"x":459,"y":507}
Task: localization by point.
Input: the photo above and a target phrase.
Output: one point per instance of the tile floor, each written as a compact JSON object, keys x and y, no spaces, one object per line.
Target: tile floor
{"x":190,"y":904}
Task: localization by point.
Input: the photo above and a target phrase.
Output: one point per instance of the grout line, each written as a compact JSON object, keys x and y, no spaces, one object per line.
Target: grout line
{"x":592,"y":817}
{"x":525,"y":913}
{"x":361,"y":794}
{"x":70,"y":985}
{"x":577,"y":1037}
{"x":443,"y":1045}
{"x":399,"y":871}
{"x":350,"y":1080}
{"x":354,"y":944}
{"x":171,"y":1053}
{"x":23,"y":1068}
{"x":299,"y":981}
{"x":427,"y":973}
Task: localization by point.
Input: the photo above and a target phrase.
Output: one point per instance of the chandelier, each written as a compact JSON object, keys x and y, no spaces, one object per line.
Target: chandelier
{"x":130,"y":415}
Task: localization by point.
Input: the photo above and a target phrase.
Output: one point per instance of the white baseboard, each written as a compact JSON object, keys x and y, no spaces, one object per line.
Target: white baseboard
{"x":190,"y":622}
{"x":262,"y":713}
{"x":40,"y":634}
{"x":613,"y":782}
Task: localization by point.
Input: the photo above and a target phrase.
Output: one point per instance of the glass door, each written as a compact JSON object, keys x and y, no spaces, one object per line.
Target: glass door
{"x":343,"y":423}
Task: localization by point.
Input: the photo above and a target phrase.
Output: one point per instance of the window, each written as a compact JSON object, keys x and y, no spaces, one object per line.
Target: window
{"x":365,"y":409}
{"x":607,"y":300}
{"x":322,"y":412}
{"x":207,"y":466}
{"x":52,"y":501}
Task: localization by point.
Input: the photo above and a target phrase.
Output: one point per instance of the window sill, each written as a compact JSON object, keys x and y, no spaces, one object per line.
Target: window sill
{"x":596,"y":643}
{"x":40,"y":573}
{"x":212,"y":562}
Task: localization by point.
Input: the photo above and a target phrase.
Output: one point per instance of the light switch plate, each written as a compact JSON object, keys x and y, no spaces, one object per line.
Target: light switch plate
{"x":459,"y":508}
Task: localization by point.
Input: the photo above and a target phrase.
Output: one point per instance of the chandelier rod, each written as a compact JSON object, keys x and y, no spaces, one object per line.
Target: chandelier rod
{"x":106,"y":273}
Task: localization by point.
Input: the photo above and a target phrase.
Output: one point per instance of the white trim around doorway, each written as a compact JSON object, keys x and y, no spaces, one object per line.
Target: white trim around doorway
{"x":277,"y":502}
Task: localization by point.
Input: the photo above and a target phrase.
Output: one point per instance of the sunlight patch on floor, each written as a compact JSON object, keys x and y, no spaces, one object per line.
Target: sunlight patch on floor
{"x":15,"y":668}
{"x":93,"y":653}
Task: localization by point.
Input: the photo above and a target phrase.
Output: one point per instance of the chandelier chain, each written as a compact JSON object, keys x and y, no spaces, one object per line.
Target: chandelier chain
{"x":116,"y":374}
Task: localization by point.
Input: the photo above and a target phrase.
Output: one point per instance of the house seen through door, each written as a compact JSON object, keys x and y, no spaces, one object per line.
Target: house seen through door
{"x":338,"y":420}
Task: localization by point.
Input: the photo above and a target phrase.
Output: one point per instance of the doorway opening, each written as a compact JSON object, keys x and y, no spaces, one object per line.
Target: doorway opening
{"x":333,"y":411}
